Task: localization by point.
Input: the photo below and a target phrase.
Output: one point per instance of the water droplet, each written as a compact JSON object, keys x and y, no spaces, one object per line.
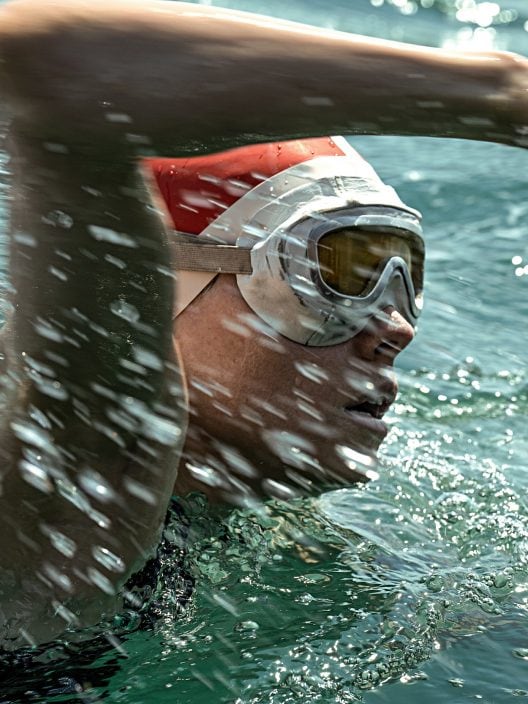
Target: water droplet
{"x":357,"y":460}
{"x":118,"y":118}
{"x":142,"y":139}
{"x":105,"y":234}
{"x":236,"y":328}
{"x":204,"y":475}
{"x":53,"y":389}
{"x":521,"y":653}
{"x":58,"y":218}
{"x":152,"y":425}
{"x":225,"y":603}
{"x":237,"y":462}
{"x":99,"y":518}
{"x":65,"y":613}
{"x":45,"y":329}
{"x":25,"y":239}
{"x":36,"y":476}
{"x":147,"y":358}
{"x":57,"y":577}
{"x":125,"y":310}
{"x":66,"y":546}
{"x":140,"y":491}
{"x":112,"y":562}
{"x":34,"y":435}
{"x":119,"y":263}
{"x":456,"y":682}
{"x":96,"y":485}
{"x":315,"y":578}
{"x":92,"y":191}
{"x":247,"y":627}
{"x":56,"y":148}
{"x":312,"y":371}
{"x":100,"y":581}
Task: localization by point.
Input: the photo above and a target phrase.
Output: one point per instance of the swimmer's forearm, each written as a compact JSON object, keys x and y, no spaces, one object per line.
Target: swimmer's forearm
{"x":174,"y":76}
{"x":90,"y":414}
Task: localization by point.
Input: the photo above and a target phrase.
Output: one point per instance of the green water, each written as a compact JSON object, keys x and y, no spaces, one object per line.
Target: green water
{"x":415,"y":587}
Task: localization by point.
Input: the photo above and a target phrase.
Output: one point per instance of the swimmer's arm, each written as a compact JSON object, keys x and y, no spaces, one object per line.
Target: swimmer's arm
{"x":90,"y":407}
{"x":172,"y":77}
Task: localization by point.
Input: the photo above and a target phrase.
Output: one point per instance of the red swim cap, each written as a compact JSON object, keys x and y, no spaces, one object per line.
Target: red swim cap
{"x":198,"y":189}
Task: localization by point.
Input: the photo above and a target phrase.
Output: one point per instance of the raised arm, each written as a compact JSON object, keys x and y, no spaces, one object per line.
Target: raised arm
{"x":185,"y":77}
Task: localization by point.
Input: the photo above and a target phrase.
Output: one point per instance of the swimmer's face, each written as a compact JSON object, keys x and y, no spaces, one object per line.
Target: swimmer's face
{"x":266,"y":411}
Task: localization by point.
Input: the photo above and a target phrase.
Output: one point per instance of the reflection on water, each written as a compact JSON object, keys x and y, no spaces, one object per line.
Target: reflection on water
{"x":455,"y":24}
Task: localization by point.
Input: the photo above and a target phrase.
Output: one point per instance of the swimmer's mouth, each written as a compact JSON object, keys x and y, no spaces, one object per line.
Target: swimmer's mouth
{"x":375,"y":409}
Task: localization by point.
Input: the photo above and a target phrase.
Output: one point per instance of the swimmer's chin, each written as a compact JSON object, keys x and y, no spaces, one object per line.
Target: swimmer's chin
{"x":350,"y":467}
{"x":244,"y":482}
{"x":376,"y":427}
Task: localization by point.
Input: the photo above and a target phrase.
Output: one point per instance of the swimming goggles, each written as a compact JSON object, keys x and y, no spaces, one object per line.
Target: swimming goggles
{"x":318,"y":249}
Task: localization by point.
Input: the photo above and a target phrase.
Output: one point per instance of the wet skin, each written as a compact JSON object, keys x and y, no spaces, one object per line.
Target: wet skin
{"x":254,"y":394}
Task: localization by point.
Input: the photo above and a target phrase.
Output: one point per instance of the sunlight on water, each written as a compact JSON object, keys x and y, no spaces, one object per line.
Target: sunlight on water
{"x":454,"y":24}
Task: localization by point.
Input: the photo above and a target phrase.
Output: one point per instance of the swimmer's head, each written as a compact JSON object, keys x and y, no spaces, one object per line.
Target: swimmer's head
{"x":318,"y":241}
{"x":197,"y":190}
{"x":267,"y":414}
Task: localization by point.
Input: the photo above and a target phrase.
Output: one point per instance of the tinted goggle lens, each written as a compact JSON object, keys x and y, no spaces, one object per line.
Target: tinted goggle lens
{"x":351,"y":259}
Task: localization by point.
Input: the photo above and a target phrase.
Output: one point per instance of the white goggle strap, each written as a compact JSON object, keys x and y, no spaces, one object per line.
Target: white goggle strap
{"x":198,"y":263}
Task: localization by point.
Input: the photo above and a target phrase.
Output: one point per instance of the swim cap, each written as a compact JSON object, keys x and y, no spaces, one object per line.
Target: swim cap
{"x":196,"y":190}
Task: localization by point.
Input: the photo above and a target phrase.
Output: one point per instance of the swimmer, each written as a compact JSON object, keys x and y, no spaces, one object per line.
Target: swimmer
{"x":93,"y":418}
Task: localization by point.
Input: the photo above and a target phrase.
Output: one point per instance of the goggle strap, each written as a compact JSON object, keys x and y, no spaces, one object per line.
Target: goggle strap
{"x":217,"y":258}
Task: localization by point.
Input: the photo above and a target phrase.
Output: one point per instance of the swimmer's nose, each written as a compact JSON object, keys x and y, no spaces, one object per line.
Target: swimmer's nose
{"x":385,"y":336}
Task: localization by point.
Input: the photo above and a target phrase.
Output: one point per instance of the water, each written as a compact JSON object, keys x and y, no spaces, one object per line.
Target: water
{"x":419,"y":581}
